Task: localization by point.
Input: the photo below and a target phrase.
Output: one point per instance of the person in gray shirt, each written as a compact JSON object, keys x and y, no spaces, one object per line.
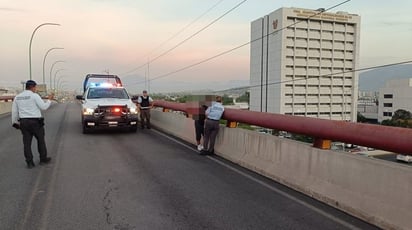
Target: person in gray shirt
{"x":213,"y":115}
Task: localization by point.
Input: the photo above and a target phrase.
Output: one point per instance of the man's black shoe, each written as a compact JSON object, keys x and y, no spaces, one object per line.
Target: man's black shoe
{"x":45,"y":160}
{"x":30,"y":164}
{"x":204,"y":152}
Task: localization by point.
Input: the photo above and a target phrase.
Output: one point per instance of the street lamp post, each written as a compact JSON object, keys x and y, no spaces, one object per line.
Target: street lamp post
{"x":23,"y":84}
{"x":31,"y":40}
{"x":55,"y":74}
{"x":59,"y":86}
{"x":51,"y":69}
{"x":44,"y":61}
{"x":58,"y":81}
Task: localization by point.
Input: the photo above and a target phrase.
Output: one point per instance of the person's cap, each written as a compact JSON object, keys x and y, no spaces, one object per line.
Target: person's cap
{"x":30,"y":83}
{"x":144,"y":91}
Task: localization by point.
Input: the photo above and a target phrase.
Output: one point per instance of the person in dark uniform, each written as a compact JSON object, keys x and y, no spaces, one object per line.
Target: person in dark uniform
{"x":26,"y":115}
{"x":145,"y":103}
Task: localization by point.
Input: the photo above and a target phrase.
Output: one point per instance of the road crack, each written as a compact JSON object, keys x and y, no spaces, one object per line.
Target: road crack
{"x":108,"y":209}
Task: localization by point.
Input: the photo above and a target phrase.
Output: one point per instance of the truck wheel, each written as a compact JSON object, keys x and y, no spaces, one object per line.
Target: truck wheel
{"x":133,"y":129}
{"x":85,"y":129}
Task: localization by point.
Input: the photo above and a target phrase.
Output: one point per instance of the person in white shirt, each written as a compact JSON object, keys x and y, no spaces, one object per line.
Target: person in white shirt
{"x":26,"y":116}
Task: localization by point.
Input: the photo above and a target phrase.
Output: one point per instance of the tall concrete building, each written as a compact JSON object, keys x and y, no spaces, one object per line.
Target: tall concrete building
{"x":396,"y":94}
{"x":302,"y":63}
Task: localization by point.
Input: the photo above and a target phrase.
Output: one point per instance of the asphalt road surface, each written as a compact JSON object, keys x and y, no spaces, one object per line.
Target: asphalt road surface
{"x":143,"y":180}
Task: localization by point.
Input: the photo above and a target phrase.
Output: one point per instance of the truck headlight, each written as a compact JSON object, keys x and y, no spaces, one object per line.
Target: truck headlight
{"x":88,"y":111}
{"x":133,"y":110}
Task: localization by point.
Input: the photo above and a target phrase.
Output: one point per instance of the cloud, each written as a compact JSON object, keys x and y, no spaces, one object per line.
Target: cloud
{"x":11,"y":9}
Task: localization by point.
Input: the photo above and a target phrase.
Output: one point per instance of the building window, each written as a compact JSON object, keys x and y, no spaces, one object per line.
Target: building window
{"x":388,"y":96}
{"x":387,"y":104}
{"x":387,"y":114}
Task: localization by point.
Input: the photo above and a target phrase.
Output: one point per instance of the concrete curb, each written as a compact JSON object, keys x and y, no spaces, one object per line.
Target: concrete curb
{"x":5,"y":107}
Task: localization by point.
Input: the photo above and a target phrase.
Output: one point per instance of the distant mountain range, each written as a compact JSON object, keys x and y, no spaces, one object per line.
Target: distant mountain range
{"x":136,"y":84}
{"x":373,"y":80}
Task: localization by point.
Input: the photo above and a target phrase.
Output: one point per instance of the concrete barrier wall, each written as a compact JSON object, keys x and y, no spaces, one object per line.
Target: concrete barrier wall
{"x":5,"y":107}
{"x":374,"y":190}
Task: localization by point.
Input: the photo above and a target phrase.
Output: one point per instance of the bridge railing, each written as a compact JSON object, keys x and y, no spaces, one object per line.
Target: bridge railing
{"x":5,"y":104}
{"x":393,"y":139}
{"x":6,"y":98}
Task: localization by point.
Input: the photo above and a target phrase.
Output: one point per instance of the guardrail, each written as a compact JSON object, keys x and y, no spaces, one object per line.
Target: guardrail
{"x":387,"y":138}
{"x":11,"y":98}
{"x":6,"y":98}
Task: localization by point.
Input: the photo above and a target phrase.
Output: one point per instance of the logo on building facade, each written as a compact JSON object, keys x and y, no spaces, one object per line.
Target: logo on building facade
{"x":275,"y":24}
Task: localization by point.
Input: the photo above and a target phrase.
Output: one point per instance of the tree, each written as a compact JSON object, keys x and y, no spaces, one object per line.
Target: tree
{"x":401,"y":118}
{"x":402,"y":114}
{"x":182,"y":99}
{"x":243,"y":98}
{"x":226,"y":100}
{"x":361,"y":118}
{"x":387,"y":122}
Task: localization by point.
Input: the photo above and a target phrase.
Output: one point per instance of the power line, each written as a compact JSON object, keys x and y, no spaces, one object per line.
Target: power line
{"x":175,"y":35}
{"x":324,"y":75}
{"x":191,"y":36}
{"x":187,"y":26}
{"x":240,"y":46}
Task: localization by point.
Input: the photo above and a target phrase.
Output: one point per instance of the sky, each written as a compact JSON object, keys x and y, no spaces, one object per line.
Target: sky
{"x":119,"y":36}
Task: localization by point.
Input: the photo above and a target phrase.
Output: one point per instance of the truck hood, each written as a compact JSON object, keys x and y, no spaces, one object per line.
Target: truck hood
{"x":93,"y":103}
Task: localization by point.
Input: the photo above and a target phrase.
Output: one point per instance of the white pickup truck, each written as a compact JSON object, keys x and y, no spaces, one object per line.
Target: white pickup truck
{"x":107,"y":106}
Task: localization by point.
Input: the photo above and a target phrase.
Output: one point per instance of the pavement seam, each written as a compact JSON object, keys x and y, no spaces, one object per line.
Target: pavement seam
{"x":29,"y":207}
{"x":50,"y":187}
{"x":33,"y":195}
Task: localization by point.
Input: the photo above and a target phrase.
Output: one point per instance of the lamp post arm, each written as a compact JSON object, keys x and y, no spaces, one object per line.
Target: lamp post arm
{"x":55,"y":74}
{"x":51,"y":70}
{"x":31,"y":40}
{"x":44,"y":61}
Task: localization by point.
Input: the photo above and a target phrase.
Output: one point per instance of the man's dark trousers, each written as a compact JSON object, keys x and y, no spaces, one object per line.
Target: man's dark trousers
{"x":145,"y":117}
{"x":211,"y":130}
{"x":33,"y":127}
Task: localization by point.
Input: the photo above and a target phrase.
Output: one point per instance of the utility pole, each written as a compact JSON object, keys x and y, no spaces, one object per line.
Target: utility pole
{"x":148,"y":74}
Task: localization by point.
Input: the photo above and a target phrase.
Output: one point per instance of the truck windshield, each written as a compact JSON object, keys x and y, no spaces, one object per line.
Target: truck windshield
{"x":94,"y":80}
{"x":119,"y":93}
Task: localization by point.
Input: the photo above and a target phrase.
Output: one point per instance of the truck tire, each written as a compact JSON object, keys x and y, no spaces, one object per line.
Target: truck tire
{"x":85,"y":129}
{"x":133,"y":129}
